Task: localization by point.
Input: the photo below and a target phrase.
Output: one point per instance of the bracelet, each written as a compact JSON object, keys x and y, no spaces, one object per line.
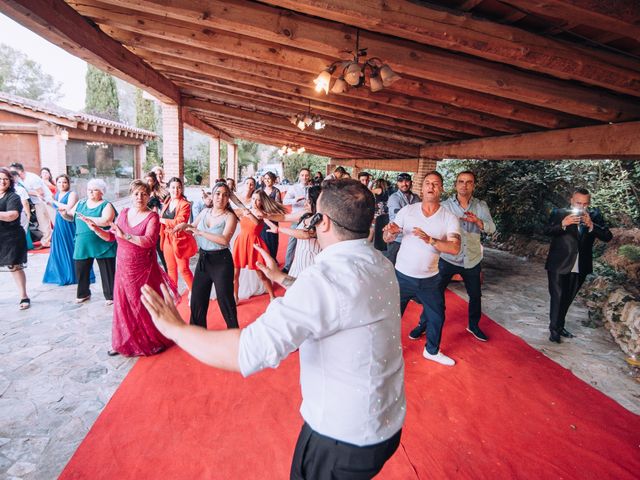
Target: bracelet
{"x":432,"y":241}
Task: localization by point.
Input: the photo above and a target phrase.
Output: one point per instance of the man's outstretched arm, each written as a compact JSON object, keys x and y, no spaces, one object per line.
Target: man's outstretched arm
{"x":218,"y":348}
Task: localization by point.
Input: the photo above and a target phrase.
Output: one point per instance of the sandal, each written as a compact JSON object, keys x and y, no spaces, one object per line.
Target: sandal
{"x":83,"y":299}
{"x":24,"y":303}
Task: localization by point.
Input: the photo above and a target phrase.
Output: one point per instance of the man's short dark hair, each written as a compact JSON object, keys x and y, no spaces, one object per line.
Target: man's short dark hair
{"x":582,"y":191}
{"x":303,"y":169}
{"x":364,"y":174}
{"x":437,"y":174}
{"x":402,"y":177}
{"x":17,"y":166}
{"x":340,"y":170}
{"x":351,"y":205}
{"x":466,"y":172}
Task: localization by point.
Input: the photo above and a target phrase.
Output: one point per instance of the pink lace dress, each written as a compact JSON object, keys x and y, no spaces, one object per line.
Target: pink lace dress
{"x":133,"y":332}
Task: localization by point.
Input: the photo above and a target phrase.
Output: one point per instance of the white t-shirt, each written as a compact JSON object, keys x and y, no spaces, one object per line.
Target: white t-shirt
{"x":416,"y":258}
{"x":24,"y":215}
{"x":34,"y":182}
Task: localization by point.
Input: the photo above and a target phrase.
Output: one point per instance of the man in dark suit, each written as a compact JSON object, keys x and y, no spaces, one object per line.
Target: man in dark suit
{"x":573,"y":232}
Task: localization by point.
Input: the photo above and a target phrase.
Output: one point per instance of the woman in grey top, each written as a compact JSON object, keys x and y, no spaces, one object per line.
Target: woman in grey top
{"x":213,"y":229}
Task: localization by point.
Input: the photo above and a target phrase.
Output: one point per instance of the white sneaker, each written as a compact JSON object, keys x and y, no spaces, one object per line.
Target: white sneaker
{"x":440,"y":358}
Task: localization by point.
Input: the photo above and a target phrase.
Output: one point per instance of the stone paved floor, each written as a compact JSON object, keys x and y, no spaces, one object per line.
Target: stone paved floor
{"x":56,"y":377}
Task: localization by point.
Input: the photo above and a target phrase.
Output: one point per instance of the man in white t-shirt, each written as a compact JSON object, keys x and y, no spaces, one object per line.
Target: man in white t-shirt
{"x":428,"y":230}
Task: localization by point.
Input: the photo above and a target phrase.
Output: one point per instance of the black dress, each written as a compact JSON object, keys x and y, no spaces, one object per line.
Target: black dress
{"x":13,"y":240}
{"x":382,"y":219}
{"x":271,"y":239}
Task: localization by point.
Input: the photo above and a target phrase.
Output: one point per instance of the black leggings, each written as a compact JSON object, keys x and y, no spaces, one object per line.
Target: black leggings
{"x":214,"y":267}
{"x":107,"y":274}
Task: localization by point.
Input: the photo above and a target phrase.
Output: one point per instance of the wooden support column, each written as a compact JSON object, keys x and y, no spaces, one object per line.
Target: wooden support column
{"x":424,"y":165}
{"x":53,"y":146}
{"x":172,"y":141}
{"x":232,"y":161}
{"x":214,"y":160}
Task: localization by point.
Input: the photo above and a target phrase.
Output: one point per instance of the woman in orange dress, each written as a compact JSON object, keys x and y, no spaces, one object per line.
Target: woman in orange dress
{"x":251,"y":225}
{"x":178,"y":247}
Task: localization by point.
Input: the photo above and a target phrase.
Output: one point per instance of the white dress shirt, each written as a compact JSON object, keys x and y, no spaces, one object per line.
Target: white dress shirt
{"x":416,"y":258}
{"x":297,"y":190}
{"x":343,"y":313}
{"x":33,"y":182}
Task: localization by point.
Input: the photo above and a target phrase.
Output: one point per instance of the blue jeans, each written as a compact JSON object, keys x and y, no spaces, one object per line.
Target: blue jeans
{"x":430,"y":293}
{"x":471,"y":277}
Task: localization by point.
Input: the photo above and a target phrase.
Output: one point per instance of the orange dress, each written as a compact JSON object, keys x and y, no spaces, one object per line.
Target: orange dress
{"x":244,"y":255}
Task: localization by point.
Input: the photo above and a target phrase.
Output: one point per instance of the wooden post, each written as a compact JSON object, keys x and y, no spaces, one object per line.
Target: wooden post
{"x":172,"y":141}
{"x":232,"y":161}
{"x":214,"y":160}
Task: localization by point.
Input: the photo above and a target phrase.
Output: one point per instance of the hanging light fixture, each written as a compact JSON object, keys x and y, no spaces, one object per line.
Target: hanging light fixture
{"x":303,"y":120}
{"x":353,"y":73}
{"x":290,"y":149}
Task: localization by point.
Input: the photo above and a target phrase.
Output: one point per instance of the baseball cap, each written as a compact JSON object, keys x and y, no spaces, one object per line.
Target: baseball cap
{"x":403,"y":176}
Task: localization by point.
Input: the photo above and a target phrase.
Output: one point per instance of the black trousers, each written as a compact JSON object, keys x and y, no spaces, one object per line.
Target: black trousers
{"x":107,"y":274}
{"x":214,"y":268}
{"x":563,"y":288}
{"x":317,"y":457}
{"x":471,"y":278}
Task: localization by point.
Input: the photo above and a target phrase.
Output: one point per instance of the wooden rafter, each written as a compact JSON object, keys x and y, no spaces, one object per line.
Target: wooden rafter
{"x":602,"y":141}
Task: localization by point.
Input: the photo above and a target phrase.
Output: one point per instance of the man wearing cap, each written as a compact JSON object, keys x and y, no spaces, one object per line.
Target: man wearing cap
{"x":402,"y":197}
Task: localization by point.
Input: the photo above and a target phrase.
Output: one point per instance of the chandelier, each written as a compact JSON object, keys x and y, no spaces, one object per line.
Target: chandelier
{"x":290,"y":149}
{"x":306,"y":119}
{"x":352,"y":73}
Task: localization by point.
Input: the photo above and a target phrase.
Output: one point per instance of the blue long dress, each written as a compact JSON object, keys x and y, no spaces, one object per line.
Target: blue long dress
{"x":60,"y":266}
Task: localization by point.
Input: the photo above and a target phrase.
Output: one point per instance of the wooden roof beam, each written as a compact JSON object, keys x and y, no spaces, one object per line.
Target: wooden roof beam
{"x":481,"y":38}
{"x":257,"y":39}
{"x":450,"y":96}
{"x":57,"y":22}
{"x":603,"y":141}
{"x":197,"y":124}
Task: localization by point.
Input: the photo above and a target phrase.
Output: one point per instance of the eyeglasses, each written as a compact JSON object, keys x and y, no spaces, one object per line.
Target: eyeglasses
{"x":317,"y":218}
{"x":5,"y":179}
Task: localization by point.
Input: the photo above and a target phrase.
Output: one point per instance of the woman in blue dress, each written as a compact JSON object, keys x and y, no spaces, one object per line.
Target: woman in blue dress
{"x":60,"y":267}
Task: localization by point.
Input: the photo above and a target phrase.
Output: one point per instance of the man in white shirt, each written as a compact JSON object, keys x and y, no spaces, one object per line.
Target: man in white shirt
{"x":38,"y":193}
{"x":295,"y":196}
{"x":343,"y":314}
{"x":475,"y":218}
{"x":428,"y":230}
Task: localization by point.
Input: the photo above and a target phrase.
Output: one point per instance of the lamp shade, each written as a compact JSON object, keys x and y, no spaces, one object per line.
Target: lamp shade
{"x":340,"y":86}
{"x":322,"y":82}
{"x":301,"y":124}
{"x":388,"y":76}
{"x":352,"y":74}
{"x":375,"y":82}
{"x":308,"y":120}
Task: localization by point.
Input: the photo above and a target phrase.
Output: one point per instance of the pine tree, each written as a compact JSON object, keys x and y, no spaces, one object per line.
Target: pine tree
{"x":146,"y":118}
{"x":102,"y":94}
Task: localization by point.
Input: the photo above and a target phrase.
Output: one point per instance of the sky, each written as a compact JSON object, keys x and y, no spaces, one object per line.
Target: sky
{"x":62,"y":66}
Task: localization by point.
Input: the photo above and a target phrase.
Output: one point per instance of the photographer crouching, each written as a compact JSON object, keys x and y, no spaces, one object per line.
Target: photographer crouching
{"x":570,"y":258}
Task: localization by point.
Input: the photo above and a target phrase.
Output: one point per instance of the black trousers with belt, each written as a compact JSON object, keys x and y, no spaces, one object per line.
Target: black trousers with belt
{"x":107,"y":274}
{"x":563,"y":288}
{"x":317,"y":457}
{"x":215,"y":267}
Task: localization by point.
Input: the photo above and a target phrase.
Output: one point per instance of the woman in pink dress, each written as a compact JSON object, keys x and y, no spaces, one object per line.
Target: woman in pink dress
{"x":136,"y":230}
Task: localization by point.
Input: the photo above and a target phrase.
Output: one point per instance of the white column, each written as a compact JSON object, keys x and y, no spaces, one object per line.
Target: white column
{"x":172,"y":142}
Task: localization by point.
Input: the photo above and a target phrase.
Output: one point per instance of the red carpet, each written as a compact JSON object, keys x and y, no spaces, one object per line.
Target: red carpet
{"x":504,"y":411}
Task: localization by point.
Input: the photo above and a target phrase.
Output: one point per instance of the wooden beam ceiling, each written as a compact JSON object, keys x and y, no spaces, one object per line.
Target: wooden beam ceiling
{"x":246,"y":29}
{"x":602,"y":141}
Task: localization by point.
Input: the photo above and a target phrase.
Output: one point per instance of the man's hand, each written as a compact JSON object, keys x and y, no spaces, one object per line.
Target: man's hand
{"x":390,"y":232}
{"x":269,"y":267}
{"x":421,"y":234}
{"x":473,"y":218}
{"x":587,"y":221}
{"x":570,"y":219}
{"x":163,"y":311}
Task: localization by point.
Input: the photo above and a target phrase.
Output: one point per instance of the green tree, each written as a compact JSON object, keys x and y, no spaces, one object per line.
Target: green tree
{"x":19,"y":75}
{"x":146,"y":118}
{"x":102,"y":94}
{"x":292,"y":164}
{"x":247,"y":154}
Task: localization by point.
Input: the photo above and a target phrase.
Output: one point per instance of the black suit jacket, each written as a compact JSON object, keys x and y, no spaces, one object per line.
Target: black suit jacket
{"x":566,"y":244}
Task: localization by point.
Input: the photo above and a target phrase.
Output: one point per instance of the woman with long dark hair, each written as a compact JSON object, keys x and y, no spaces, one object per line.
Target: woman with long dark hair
{"x":213,"y":229}
{"x":251,"y":225}
{"x":271,"y":239}
{"x":13,"y":242}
